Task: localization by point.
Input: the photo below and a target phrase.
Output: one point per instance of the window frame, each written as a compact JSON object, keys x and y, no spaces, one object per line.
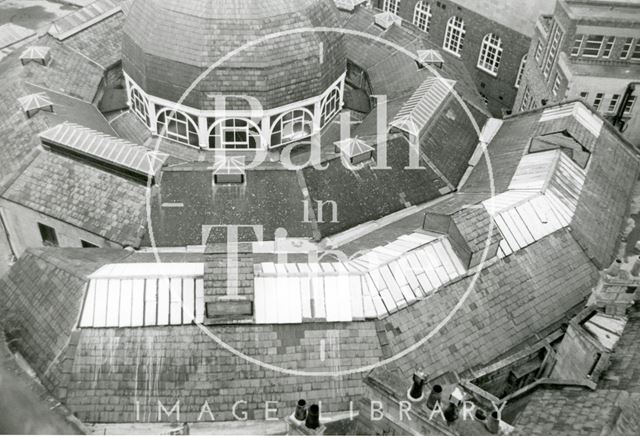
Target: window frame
{"x":598,"y":50}
{"x":219,"y":129}
{"x":610,"y":42}
{"x":332,"y":101}
{"x":48,"y":235}
{"x":140,"y":106}
{"x":422,"y":16}
{"x":627,"y":48}
{"x":188,"y":123}
{"x":302,"y":116}
{"x":558,"y":35}
{"x":597,"y":101}
{"x":628,"y":108}
{"x":520,"y":75}
{"x":577,"y":44}
{"x":454,"y":36}
{"x":490,"y":54}
{"x":392,"y":6}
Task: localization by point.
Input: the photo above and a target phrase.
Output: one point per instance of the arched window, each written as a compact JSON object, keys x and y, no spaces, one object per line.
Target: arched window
{"x":292,"y":126}
{"x":422,"y":16}
{"x":523,"y":64}
{"x":178,"y":126}
{"x":234,"y":133}
{"x":139,"y":105}
{"x":392,"y":6}
{"x":490,"y":54}
{"x":454,"y":36}
{"x":330,"y":107}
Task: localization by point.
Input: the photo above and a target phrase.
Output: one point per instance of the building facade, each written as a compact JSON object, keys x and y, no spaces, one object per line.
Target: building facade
{"x":491,"y":38}
{"x":588,"y":51}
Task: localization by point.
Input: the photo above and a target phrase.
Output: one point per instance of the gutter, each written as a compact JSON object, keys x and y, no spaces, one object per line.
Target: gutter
{"x":8,"y":238}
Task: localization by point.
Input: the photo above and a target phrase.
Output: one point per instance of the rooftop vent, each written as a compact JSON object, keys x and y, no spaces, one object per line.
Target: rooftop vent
{"x":348,"y":5}
{"x":386,"y":20}
{"x":34,"y":103}
{"x":430,"y":57}
{"x":580,"y":112}
{"x":104,"y":149}
{"x":356,"y":150}
{"x":229,"y":171}
{"x":423,"y":104}
{"x":38,"y":54}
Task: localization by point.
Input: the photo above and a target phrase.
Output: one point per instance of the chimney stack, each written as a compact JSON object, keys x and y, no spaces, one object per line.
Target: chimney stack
{"x":614,"y":269}
{"x":416,"y":391}
{"x":434,"y":396}
{"x":313,"y":417}
{"x":301,"y":410}
{"x":493,"y":423}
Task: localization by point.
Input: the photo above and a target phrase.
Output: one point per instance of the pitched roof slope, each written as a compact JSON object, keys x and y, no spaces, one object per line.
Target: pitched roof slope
{"x":40,"y":299}
{"x":512,"y":300}
{"x":84,"y":196}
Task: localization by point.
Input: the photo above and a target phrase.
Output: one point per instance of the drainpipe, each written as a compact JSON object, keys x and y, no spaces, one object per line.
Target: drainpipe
{"x":8,"y":238}
{"x":617,"y":119}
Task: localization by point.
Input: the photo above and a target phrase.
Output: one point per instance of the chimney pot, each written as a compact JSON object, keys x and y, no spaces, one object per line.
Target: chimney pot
{"x":614,"y":269}
{"x":451,"y":414}
{"x":493,"y":423}
{"x":434,"y":396}
{"x":301,"y":410}
{"x":635,"y":271}
{"x":416,"y":392}
{"x":313,"y":417}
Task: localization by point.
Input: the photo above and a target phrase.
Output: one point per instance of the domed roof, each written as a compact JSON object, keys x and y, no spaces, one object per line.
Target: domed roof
{"x":169,"y":43}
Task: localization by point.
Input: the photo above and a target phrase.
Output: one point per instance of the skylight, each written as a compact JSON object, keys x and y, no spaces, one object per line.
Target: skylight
{"x":423,"y":104}
{"x":136,"y":295}
{"x":430,"y":57}
{"x":229,"y":170}
{"x":354,"y":149}
{"x":32,"y":104}
{"x":387,"y":19}
{"x":37,"y":54}
{"x":104,"y":148}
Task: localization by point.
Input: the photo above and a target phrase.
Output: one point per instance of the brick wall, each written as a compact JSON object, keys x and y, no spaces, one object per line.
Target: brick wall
{"x":500,"y":90}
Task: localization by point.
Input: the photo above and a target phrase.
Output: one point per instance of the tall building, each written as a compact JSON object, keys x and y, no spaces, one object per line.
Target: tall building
{"x":587,"y":50}
{"x":491,"y":38}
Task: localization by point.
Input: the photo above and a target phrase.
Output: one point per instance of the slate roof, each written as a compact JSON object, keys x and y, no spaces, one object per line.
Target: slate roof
{"x":168,"y":44}
{"x":576,"y":412}
{"x":103,"y":43}
{"x":70,"y":81}
{"x":188,"y":200}
{"x":612,"y":169}
{"x":84,"y":196}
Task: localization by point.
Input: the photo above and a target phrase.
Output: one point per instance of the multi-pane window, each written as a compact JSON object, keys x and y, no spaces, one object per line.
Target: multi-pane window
{"x":553,"y":51}
{"x":626,"y":48}
{"x":598,"y":101}
{"x":608,"y":46}
{"x":584,"y":96}
{"x":422,"y":16}
{"x":234,"y":133}
{"x":577,"y":45}
{"x":539,"y":51}
{"x":490,"y":54}
{"x":523,"y":64}
{"x":139,"y":106}
{"x":454,"y":36}
{"x":556,"y":84}
{"x":592,"y":46}
{"x":178,"y":127}
{"x":291,"y":127}
{"x":392,"y":6}
{"x":635,"y":55}
{"x":526,"y":99}
{"x":613,"y":103}
{"x":48,"y":235}
{"x":629,"y":106}
{"x":330,"y":107}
